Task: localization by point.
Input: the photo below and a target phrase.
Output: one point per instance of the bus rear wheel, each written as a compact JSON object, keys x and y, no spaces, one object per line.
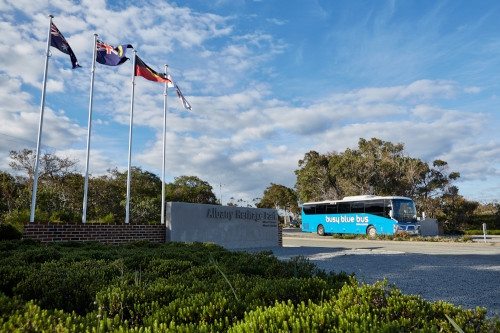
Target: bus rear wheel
{"x":371,"y":232}
{"x":321,"y":230}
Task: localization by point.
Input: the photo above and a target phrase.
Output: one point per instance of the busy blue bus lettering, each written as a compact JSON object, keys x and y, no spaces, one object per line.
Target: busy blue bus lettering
{"x":345,"y":219}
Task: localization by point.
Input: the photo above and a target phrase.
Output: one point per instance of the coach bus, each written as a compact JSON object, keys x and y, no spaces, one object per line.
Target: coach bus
{"x":364,"y":214}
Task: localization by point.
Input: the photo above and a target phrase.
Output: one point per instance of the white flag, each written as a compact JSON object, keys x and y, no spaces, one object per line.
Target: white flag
{"x":170,"y":84}
{"x":182,"y":98}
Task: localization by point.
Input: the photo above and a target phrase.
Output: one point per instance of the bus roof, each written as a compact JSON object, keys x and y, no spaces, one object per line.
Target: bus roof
{"x":356,"y":198}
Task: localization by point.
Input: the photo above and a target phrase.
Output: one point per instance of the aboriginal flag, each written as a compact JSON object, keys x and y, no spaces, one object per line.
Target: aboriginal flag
{"x":110,"y":55}
{"x":58,"y":41}
{"x":141,"y":69}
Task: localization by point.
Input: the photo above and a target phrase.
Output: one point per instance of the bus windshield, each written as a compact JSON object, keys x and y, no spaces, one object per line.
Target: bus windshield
{"x":404,"y":210}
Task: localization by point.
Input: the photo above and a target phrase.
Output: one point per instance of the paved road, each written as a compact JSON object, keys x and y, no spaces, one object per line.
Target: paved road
{"x":466,"y":274}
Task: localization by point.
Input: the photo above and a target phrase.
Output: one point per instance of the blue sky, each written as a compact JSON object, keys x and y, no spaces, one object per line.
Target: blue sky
{"x":268,"y":81}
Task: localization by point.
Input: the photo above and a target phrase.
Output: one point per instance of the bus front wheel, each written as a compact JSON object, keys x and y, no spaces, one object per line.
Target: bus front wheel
{"x":371,"y":232}
{"x":321,"y":230}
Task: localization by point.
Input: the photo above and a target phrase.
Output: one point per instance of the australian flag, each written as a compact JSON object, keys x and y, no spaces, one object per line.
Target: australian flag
{"x":58,"y":41}
{"x":110,"y":55}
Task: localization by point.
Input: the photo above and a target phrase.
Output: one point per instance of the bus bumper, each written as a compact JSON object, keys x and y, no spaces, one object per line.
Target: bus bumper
{"x":411,"y":229}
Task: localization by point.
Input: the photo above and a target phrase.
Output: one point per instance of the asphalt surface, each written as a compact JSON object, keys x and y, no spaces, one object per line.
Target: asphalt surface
{"x":465,"y":274}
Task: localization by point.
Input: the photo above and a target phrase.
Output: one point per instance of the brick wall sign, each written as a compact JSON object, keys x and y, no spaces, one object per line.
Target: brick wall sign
{"x":103,"y":233}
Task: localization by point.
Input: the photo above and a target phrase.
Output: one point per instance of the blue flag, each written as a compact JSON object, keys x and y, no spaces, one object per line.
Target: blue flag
{"x":58,"y":41}
{"x":109,"y":55}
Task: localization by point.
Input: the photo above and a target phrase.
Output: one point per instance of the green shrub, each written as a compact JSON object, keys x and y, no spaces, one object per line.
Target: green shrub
{"x":366,"y":308}
{"x":12,"y":271}
{"x":17,"y":218}
{"x":480,"y":232}
{"x":9,"y":232}
{"x":410,"y":238}
{"x":107,"y":219}
{"x":145,"y":287}
{"x":164,"y":268}
{"x":70,"y":286}
{"x":63,"y":216}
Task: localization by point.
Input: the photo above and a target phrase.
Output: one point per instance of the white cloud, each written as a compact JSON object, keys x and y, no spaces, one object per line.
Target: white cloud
{"x":55,"y":86}
{"x":417,"y":90}
{"x":239,"y":133}
{"x":25,"y":59}
{"x":246,"y":158}
{"x":20,"y":119}
{"x":472,"y":90}
{"x":238,"y":123}
{"x":277,"y":21}
{"x":99,"y":161}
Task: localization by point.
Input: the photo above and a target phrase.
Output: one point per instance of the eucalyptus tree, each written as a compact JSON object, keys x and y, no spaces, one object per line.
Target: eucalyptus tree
{"x":190,"y":189}
{"x":374,"y":167}
{"x":281,"y":197}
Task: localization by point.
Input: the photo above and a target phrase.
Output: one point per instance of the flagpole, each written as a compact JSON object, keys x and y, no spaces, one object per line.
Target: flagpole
{"x":40,"y":124}
{"x":127,"y":205}
{"x":165,"y":96}
{"x":89,"y":130}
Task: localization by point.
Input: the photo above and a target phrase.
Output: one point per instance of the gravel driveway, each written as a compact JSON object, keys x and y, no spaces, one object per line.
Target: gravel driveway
{"x":463,"y":274}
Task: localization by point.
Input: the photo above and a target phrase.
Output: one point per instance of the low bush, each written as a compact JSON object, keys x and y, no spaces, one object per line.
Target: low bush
{"x":19,"y":218}
{"x":63,"y":216}
{"x":144,"y":287}
{"x":480,"y":232}
{"x":9,"y":232}
{"x":407,"y":237}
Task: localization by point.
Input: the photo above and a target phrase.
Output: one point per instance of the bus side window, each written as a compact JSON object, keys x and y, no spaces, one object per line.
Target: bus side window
{"x":320,"y":209}
{"x":310,"y":209}
{"x":344,"y":207}
{"x":387,"y":208}
{"x":375,"y":207}
{"x":357,"y":207}
{"x":331,"y":209}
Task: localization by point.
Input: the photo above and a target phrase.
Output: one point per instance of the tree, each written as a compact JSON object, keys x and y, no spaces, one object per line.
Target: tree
{"x":242,"y":202}
{"x":145,"y":203}
{"x":455,"y":210}
{"x":375,"y":167}
{"x":314,"y":180}
{"x":60,"y":192}
{"x":59,"y":187}
{"x":488,"y":213}
{"x":281,"y":197}
{"x":107,"y":196}
{"x":190,"y":189}
{"x":435,"y":183}
{"x":9,"y":191}
{"x":61,"y":198}
{"x":51,"y":166}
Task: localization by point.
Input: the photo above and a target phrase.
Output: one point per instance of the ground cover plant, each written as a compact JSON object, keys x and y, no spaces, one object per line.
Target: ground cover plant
{"x":174,"y":287}
{"x":407,"y":237}
{"x":480,"y":232}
